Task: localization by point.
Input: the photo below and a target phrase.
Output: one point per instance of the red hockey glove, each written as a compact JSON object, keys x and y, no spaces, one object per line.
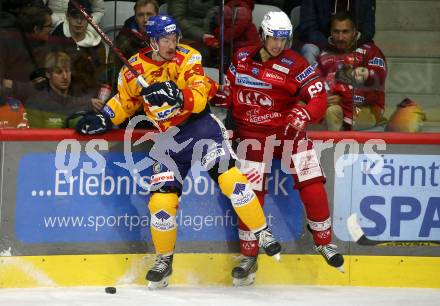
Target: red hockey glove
{"x":210,"y":41}
{"x":297,"y":120}
{"x":221,"y":99}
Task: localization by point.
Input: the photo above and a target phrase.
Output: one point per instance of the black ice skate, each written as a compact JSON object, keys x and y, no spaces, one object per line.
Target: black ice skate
{"x":244,"y":273}
{"x":268,"y":242}
{"x":160,"y":272}
{"x":331,"y":256}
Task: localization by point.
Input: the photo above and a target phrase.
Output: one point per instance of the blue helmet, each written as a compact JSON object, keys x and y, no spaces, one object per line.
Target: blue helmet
{"x":161,"y":25}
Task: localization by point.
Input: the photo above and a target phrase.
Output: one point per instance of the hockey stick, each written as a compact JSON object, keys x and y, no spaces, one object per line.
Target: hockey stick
{"x":221,"y":70}
{"x":108,"y":41}
{"x":359,"y":237}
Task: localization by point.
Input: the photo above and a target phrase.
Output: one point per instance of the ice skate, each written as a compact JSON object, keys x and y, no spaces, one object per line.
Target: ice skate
{"x":244,"y":273}
{"x":268,"y":242}
{"x":331,"y":256}
{"x":158,"y":275}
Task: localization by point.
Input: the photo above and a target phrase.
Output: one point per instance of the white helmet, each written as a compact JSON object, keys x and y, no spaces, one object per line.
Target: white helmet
{"x":277,"y":24}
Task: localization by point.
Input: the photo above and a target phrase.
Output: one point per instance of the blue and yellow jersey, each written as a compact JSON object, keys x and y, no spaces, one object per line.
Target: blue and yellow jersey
{"x":185,"y":70}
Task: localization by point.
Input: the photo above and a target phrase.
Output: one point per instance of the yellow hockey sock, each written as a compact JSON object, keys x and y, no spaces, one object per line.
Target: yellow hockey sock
{"x":236,"y":187}
{"x":163,"y":226}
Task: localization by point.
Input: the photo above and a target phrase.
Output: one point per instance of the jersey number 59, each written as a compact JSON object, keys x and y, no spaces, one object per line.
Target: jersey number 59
{"x":315,"y":88}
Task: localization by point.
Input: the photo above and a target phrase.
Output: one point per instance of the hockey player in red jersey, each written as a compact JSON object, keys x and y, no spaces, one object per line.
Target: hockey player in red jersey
{"x":263,"y":89}
{"x":355,"y":75}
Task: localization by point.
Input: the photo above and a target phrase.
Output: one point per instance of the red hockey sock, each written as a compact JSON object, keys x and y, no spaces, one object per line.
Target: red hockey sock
{"x":316,"y":205}
{"x":248,"y":242}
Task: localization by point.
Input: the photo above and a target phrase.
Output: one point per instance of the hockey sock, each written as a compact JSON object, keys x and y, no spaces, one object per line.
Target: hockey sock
{"x":248,"y":241}
{"x":315,"y":202}
{"x":163,"y":209}
{"x":236,"y":187}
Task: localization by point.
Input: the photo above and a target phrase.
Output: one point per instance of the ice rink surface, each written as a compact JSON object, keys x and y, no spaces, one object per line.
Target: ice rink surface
{"x":225,"y":296}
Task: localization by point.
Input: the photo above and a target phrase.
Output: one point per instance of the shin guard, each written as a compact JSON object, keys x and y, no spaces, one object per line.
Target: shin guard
{"x":163,"y":209}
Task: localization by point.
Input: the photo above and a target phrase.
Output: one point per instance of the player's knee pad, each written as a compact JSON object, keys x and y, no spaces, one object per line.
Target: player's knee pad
{"x":235,"y":186}
{"x":163,"y":209}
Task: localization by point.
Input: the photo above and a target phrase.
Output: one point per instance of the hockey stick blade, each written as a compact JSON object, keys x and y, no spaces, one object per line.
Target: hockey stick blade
{"x":357,"y":234}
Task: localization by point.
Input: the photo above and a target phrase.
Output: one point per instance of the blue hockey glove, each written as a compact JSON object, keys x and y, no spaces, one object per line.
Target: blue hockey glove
{"x":158,"y":94}
{"x":92,"y":124}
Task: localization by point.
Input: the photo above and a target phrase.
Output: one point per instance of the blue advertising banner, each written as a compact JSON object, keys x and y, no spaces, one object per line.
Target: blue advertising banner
{"x":395,"y":197}
{"x":111,"y":206}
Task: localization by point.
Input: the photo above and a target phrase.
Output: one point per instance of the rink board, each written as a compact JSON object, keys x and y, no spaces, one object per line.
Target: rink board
{"x":215,"y":269}
{"x":38,"y":247}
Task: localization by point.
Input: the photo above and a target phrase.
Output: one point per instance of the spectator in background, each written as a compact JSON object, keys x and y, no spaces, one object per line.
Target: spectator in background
{"x":87,"y":51}
{"x":23,"y":45}
{"x":355,"y":74}
{"x":315,"y":22}
{"x":239,"y":31}
{"x":59,"y":8}
{"x":191,"y":18}
{"x":132,"y":36}
{"x":50,"y":108}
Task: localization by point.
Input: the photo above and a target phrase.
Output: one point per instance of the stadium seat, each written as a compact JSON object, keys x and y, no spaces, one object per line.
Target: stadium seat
{"x":163,"y":9}
{"x":124,"y":10}
{"x":260,"y":10}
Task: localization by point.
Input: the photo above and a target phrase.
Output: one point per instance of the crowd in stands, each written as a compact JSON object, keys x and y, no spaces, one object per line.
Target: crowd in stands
{"x":52,"y":60}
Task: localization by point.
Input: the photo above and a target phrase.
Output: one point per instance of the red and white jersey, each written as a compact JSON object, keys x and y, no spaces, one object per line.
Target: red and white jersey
{"x":263,"y":93}
{"x":367,"y":55}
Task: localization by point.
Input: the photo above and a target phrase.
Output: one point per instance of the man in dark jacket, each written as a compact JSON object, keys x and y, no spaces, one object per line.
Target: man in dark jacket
{"x":315,"y":22}
{"x":132,"y":36}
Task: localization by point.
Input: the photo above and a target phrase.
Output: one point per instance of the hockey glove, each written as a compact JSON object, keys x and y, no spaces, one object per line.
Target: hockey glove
{"x":158,"y":94}
{"x":92,"y":124}
{"x":221,"y":99}
{"x":297,"y":120}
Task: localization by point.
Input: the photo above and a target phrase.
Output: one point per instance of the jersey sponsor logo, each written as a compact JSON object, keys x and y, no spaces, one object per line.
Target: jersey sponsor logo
{"x":254,"y":97}
{"x":306,"y":73}
{"x":287,"y":61}
{"x":377,"y":61}
{"x":307,"y":165}
{"x":130,"y":76}
{"x":242,"y":66}
{"x":232,"y":69}
{"x":108,"y":111}
{"x":133,"y":59}
{"x":248,"y":81}
{"x":361,"y":51}
{"x":358,"y":99}
{"x":212,"y":155}
{"x":163,"y":221}
{"x":254,"y":116}
{"x":274,"y":77}
{"x":195,"y":58}
{"x":182,"y":49}
{"x":255,"y":71}
{"x":162,"y":177}
{"x":242,"y":194}
{"x":281,"y":68}
{"x":242,"y":55}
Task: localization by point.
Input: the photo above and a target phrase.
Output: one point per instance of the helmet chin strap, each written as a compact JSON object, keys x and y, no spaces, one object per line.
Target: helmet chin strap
{"x":156,"y":52}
